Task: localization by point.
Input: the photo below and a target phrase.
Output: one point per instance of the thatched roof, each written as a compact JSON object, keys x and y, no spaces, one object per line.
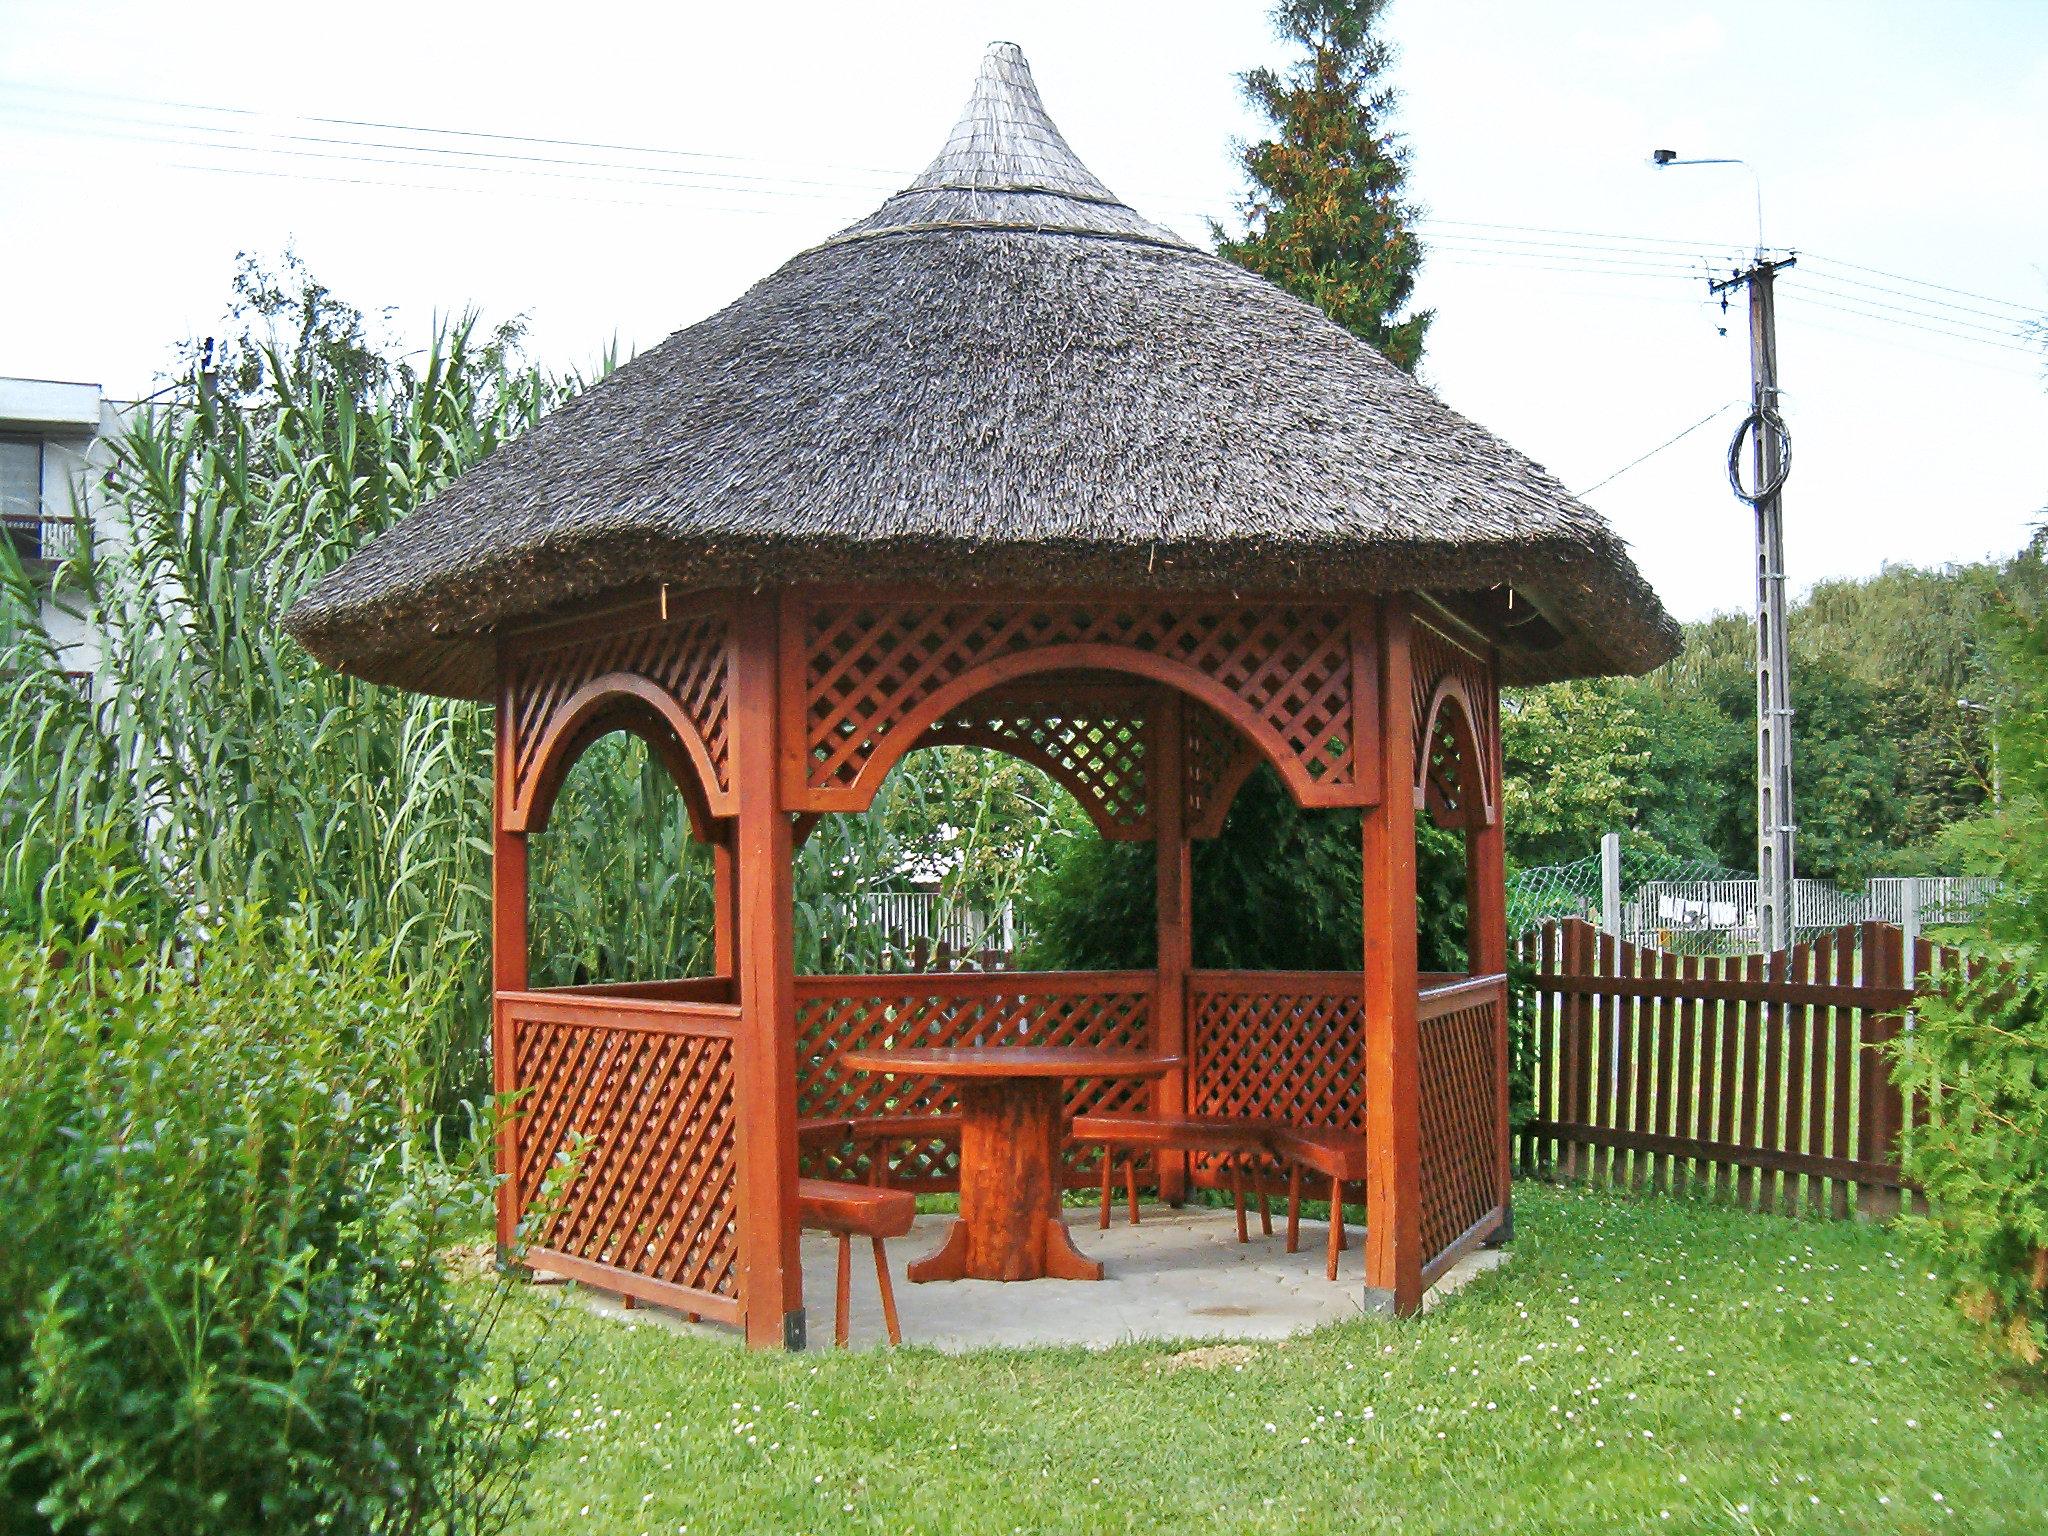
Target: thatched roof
{"x":1003,"y":377}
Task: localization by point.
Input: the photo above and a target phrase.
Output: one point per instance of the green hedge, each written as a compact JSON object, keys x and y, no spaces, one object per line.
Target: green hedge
{"x":221,"y":1306}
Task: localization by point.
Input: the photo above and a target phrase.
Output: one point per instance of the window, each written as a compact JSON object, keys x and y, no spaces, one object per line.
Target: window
{"x":21,"y":494}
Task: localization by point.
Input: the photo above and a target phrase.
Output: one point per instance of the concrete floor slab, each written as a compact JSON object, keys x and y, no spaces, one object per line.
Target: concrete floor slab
{"x":1179,"y":1274}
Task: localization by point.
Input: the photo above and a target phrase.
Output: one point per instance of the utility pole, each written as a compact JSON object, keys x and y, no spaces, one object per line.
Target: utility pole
{"x":1770,"y":453}
{"x":1770,"y":448}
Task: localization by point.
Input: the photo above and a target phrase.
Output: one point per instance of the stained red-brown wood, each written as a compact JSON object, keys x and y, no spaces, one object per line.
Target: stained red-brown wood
{"x":1393,"y":1247}
{"x":725,"y":904}
{"x":508,"y":974}
{"x":1174,"y":883}
{"x":771,"y":1268}
{"x":773,"y":707}
{"x":1766,"y":1082}
{"x":1011,"y":1115}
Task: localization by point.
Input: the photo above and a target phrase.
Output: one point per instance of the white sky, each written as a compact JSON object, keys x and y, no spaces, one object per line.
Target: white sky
{"x":1904,"y":137}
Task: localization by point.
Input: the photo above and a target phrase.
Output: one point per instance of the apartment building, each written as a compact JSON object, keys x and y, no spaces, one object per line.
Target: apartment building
{"x":51,"y":454}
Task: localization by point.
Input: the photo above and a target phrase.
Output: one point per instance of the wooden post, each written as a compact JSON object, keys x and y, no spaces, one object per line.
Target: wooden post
{"x":725,"y":903}
{"x":1486,"y":929}
{"x":508,"y":970}
{"x":1393,"y":1134}
{"x":771,"y":1272}
{"x":1166,"y":787}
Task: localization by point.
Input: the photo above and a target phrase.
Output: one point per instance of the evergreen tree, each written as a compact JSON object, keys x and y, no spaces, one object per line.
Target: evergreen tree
{"x":1326,"y":218}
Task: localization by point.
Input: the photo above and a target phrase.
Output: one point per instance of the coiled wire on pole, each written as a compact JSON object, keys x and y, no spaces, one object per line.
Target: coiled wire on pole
{"x":1761,"y":419}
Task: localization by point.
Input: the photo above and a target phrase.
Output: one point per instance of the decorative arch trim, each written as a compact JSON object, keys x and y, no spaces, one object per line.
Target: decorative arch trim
{"x":1452,"y":707}
{"x":866,"y":673}
{"x":1136,"y":827}
{"x":889,"y":747}
{"x":616,"y":701}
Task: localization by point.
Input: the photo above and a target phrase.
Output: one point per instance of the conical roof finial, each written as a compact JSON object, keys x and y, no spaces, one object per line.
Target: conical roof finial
{"x":1005,"y":141}
{"x":1007,"y":166}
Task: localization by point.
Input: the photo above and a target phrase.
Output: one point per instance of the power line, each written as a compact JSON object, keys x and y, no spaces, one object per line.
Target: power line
{"x":1455,"y":242}
{"x":2015,"y":344}
{"x":1645,"y":458}
{"x":1921,"y":282}
{"x":2014,"y":314}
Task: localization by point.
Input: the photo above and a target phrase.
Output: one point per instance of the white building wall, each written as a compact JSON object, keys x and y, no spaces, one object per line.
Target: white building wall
{"x":72,"y":423}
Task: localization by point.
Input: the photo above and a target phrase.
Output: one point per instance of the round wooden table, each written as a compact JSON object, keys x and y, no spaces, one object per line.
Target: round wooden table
{"x":1011,"y":1109}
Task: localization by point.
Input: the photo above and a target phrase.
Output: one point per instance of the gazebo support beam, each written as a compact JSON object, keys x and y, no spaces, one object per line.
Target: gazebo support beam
{"x":1486,"y":937}
{"x":1393,"y":1134}
{"x":771,"y":1271}
{"x":508,"y":974}
{"x":1164,"y":782}
{"x":725,"y":901}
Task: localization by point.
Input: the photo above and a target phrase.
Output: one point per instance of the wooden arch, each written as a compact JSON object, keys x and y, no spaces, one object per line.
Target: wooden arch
{"x":1451,"y":780}
{"x":866,"y":674}
{"x":910,"y":731}
{"x":616,"y":701}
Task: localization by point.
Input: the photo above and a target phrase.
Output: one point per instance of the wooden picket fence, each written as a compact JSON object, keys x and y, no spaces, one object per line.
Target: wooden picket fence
{"x":1748,"y":1076}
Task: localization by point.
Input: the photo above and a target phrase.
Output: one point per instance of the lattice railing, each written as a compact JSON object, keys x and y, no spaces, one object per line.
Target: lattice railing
{"x":1108,"y":1010}
{"x":635,"y":1099}
{"x":1281,"y":1045}
{"x":1462,"y":1133}
{"x":870,"y":666}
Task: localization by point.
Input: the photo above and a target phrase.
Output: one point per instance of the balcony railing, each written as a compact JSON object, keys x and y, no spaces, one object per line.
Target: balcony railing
{"x":36,"y":536}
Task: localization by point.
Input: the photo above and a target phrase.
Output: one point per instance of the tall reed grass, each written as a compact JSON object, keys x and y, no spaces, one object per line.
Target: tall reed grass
{"x":215,"y":756}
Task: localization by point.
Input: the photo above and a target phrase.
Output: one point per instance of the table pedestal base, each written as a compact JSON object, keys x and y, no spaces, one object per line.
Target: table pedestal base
{"x":1010,"y":1226}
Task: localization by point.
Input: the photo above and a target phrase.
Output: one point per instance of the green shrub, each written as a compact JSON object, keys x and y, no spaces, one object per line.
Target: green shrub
{"x":1978,"y":1053}
{"x":221,"y":1306}
{"x":1282,"y":889}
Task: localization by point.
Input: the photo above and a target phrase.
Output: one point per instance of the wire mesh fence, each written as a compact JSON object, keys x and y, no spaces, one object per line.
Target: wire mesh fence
{"x":1698,"y":907}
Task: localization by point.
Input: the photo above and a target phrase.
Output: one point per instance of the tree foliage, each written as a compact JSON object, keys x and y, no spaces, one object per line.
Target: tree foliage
{"x":1328,"y":218}
{"x":1891,"y":684}
{"x":1978,"y":1055}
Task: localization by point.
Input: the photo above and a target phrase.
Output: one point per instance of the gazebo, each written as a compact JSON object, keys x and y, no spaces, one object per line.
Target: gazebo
{"x":1002,"y":464}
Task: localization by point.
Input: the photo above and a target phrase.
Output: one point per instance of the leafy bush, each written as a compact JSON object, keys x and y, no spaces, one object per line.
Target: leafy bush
{"x":1282,"y":889}
{"x":1979,"y":1051}
{"x":221,"y":1308}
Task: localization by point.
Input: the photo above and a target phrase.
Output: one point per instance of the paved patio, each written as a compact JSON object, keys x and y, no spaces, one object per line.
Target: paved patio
{"x":1178,"y":1275}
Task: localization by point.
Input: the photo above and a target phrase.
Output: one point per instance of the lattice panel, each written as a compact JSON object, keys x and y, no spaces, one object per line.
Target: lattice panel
{"x":1433,"y":657}
{"x":1452,"y":783}
{"x":1216,"y":761}
{"x":651,"y":1114}
{"x":855,"y":1013}
{"x":1295,"y":1052}
{"x":1097,"y":755}
{"x":687,"y":658}
{"x":868,"y":667}
{"x":1461,"y":1133}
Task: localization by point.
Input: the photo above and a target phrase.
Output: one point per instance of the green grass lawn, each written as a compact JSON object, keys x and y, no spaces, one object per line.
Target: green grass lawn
{"x":1642,"y":1365}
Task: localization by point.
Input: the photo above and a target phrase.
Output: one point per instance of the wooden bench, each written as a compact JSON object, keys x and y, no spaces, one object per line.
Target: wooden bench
{"x":1339,"y":1154}
{"x":1232,"y":1138}
{"x":857,"y":1210}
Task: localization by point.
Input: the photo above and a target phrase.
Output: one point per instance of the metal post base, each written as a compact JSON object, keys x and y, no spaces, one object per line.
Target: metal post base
{"x":1379,"y":1300}
{"x":794,"y":1336}
{"x":1504,"y":1233}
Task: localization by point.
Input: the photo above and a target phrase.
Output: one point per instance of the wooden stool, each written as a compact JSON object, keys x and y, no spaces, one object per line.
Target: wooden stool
{"x":1222,"y":1136}
{"x":1338,"y":1154}
{"x":857,"y":1210}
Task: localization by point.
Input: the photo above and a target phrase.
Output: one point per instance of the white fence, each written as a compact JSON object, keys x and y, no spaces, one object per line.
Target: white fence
{"x":923,"y":919}
{"x":1727,"y":909}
